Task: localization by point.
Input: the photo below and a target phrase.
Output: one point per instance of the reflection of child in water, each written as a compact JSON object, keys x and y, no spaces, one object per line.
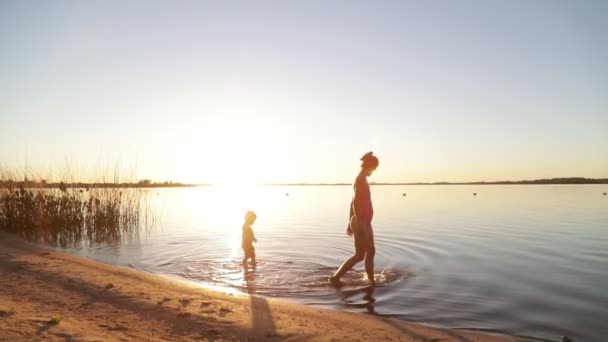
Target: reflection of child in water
{"x":248,"y":238}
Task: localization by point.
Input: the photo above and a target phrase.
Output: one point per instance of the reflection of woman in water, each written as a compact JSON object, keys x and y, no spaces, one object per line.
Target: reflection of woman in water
{"x":360,"y":222}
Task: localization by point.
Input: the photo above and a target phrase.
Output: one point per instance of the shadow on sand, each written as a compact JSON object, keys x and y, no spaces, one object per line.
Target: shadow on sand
{"x":261,"y":315}
{"x":93,"y":295}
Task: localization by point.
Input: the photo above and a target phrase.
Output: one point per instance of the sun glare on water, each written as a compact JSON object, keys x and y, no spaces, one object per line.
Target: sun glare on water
{"x":221,"y":209}
{"x":235,"y":157}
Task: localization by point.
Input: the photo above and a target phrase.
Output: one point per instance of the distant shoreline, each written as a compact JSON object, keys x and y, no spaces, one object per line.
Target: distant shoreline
{"x":552,"y":181}
{"x":11,"y":184}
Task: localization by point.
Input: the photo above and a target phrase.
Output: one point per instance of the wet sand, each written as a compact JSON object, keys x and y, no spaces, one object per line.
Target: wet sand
{"x":50,"y":296}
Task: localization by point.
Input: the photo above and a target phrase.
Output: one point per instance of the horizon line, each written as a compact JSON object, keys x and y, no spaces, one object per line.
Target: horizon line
{"x":149,"y":183}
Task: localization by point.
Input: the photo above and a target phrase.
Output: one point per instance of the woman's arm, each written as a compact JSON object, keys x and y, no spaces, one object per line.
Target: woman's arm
{"x":349,"y":230}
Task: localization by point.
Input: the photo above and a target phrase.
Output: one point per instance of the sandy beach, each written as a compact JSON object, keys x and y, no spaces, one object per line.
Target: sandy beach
{"x":50,"y":296}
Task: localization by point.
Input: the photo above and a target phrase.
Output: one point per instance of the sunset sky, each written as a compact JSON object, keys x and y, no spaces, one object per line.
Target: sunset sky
{"x":286,"y":91}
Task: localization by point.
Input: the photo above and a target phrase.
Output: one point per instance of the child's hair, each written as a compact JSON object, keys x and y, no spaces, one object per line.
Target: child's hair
{"x":250,"y":216}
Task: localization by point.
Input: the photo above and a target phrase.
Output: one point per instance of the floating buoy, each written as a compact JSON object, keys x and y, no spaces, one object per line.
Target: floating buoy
{"x":404,"y":194}
{"x":474,"y":194}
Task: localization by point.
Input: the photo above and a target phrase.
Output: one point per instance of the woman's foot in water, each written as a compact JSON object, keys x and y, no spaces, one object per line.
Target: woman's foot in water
{"x":335,"y":281}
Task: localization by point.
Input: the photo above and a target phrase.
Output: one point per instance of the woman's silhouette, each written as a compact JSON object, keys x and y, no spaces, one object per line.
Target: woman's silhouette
{"x":360,"y":222}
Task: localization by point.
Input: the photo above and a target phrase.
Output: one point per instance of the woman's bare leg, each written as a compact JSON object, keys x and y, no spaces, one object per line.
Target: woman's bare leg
{"x":369,"y":264}
{"x":347,"y":266}
{"x":370,"y":252}
{"x":360,"y":243}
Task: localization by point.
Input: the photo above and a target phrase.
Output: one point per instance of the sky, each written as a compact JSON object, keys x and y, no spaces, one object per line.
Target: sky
{"x":298,"y":91}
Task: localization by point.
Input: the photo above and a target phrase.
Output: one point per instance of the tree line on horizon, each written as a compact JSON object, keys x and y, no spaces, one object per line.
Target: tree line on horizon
{"x":147,"y":183}
{"x":563,"y":180}
{"x":144,"y":183}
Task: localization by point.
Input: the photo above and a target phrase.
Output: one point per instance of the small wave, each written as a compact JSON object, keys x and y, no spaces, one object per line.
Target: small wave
{"x":359,"y":278}
{"x":282,"y":278}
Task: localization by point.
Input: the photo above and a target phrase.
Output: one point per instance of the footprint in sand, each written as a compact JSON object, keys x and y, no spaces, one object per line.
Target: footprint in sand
{"x":115,"y":328}
{"x":6,"y":313}
{"x":185,"y":301}
{"x":163,"y":301}
{"x":225,"y":311}
{"x":213,"y":332}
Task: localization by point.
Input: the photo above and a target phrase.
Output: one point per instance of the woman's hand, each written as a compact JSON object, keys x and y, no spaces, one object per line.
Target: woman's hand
{"x":349,"y":231}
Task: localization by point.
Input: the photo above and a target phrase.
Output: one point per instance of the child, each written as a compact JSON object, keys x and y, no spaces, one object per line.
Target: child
{"x":248,"y":239}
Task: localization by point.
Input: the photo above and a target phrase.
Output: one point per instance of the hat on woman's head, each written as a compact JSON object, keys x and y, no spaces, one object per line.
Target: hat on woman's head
{"x":370,"y":160}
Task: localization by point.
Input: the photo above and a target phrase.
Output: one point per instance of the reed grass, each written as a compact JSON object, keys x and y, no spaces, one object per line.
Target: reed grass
{"x":74,"y":217}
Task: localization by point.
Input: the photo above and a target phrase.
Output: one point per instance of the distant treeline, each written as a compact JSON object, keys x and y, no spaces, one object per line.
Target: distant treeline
{"x":569,"y":180}
{"x":144,"y":183}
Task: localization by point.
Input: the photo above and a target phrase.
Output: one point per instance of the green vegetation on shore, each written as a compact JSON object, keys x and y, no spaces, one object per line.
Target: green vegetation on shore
{"x":38,"y":184}
{"x":70,"y":217}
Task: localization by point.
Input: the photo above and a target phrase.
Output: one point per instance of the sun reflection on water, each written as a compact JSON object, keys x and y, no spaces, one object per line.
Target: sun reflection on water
{"x":220,"y":211}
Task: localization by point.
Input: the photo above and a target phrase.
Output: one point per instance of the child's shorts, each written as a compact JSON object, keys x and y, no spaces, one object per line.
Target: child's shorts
{"x":249,"y":251}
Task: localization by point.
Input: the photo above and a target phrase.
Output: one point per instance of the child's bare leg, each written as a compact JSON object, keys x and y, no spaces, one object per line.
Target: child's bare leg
{"x":252,"y":257}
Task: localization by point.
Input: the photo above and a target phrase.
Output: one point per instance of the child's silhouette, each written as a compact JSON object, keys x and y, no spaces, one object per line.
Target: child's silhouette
{"x":248,"y":239}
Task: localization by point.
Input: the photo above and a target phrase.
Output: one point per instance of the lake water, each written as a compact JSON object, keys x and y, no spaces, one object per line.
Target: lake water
{"x":529,"y":260}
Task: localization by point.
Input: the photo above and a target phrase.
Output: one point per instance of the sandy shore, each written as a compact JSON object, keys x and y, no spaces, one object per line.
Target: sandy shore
{"x":50,"y":296}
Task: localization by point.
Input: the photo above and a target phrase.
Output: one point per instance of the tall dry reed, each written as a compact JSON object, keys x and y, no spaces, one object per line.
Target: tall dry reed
{"x":73,"y":217}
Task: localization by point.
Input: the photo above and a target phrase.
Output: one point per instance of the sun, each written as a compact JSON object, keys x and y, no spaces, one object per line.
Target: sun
{"x":234,"y":166}
{"x":240,"y":155}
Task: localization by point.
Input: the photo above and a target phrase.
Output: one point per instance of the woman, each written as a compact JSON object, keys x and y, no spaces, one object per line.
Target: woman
{"x":360,"y":222}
